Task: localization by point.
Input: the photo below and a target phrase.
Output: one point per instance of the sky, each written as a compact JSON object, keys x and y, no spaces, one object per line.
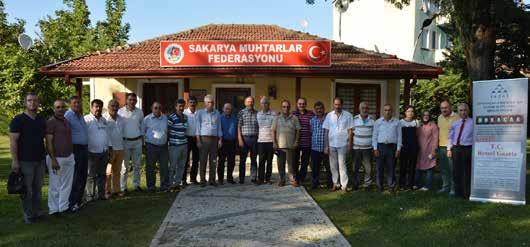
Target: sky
{"x":152,"y":18}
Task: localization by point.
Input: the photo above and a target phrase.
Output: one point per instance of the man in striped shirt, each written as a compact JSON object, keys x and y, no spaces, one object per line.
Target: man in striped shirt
{"x":302,"y":154}
{"x":363,"y":127}
{"x":177,"y":124}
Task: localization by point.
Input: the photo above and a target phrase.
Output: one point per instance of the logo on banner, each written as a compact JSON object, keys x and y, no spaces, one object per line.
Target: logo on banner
{"x":499,"y":92}
{"x":174,"y":54}
{"x":317,"y":53}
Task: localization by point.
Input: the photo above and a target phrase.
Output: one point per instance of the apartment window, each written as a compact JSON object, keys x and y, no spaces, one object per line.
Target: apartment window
{"x":434,"y":40}
{"x":425,"y":39}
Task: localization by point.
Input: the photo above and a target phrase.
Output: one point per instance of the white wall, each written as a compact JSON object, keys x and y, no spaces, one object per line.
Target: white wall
{"x":376,"y":23}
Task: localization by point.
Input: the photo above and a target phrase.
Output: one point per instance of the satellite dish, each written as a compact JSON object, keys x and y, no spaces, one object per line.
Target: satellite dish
{"x":304,"y":23}
{"x":342,"y":5}
{"x":25,"y":41}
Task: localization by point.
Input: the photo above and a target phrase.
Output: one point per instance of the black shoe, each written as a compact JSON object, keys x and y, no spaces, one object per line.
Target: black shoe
{"x":29,"y":221}
{"x":253,"y":181}
{"x":194,"y":182}
{"x":231,"y":181}
{"x":213,"y":184}
{"x":138,"y":189}
{"x":203,"y":184}
{"x":241,"y":181}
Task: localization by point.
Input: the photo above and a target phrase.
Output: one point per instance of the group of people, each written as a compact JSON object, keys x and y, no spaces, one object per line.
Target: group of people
{"x":93,"y":153}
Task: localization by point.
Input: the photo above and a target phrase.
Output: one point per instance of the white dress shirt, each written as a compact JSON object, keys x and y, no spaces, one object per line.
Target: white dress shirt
{"x":115,"y":131}
{"x":338,"y":127}
{"x":98,"y":134}
{"x":387,"y":132}
{"x":132,"y":122}
{"x":190,"y":131}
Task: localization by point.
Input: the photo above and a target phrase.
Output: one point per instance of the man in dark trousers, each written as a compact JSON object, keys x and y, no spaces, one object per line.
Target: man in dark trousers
{"x":26,"y":135}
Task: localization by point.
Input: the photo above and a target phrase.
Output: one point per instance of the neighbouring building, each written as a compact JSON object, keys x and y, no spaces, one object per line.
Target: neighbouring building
{"x":378,"y":25}
{"x":353,"y":73}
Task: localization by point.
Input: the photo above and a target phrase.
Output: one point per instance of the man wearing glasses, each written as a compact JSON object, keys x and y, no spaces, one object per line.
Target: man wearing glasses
{"x":154,"y":129}
{"x":445,"y":120}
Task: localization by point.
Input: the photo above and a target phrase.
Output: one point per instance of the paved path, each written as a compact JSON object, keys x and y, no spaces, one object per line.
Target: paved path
{"x":246,"y":215}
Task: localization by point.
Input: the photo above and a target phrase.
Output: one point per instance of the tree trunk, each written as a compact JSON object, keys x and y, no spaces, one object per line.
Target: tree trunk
{"x":480,"y":53}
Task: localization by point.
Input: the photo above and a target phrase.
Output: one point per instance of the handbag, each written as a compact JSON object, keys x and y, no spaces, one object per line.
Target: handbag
{"x":15,"y":183}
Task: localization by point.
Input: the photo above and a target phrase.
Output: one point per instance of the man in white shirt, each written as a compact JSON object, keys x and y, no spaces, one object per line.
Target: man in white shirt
{"x":193,"y":151}
{"x":338,"y":142}
{"x":132,"y":141}
{"x":98,"y":151}
{"x":154,"y":130}
{"x":115,"y":123}
{"x":363,"y":127}
{"x":265,"y":148}
{"x":386,"y":142}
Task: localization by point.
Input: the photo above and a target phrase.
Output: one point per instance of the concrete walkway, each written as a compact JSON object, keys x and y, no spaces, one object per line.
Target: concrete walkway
{"x":246,"y":215}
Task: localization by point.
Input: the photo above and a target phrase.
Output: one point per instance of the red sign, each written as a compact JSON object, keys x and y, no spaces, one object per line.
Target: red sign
{"x":289,"y":53}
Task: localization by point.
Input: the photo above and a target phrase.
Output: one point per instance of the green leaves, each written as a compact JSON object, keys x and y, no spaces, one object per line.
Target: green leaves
{"x":429,"y":93}
{"x":66,"y":35}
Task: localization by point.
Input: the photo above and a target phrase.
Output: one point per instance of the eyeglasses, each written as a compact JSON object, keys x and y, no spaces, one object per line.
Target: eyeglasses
{"x":156,"y":107}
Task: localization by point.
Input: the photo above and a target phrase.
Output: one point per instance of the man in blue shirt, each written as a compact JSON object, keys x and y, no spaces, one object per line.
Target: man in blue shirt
{"x":209,"y":138}
{"x":80,"y":140}
{"x":228,"y":149}
{"x":317,"y":146}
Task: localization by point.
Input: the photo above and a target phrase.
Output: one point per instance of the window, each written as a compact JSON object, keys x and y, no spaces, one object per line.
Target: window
{"x":425,"y":39}
{"x":353,"y":94}
{"x":434,"y":41}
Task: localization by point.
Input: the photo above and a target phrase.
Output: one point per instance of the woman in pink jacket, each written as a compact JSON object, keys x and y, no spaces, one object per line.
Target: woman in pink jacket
{"x":428,"y":143}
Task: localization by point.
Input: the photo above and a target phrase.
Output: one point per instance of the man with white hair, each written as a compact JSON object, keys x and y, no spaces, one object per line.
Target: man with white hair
{"x":459,"y":150}
{"x":265,"y":146}
{"x":228,"y":150}
{"x":363,"y":127}
{"x":209,"y":138}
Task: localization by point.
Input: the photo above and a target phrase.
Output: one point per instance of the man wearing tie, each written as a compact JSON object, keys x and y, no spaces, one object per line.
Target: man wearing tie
{"x":459,"y":150}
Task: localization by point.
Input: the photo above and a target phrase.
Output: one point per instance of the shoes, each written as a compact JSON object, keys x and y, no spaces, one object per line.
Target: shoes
{"x":281,"y":183}
{"x":259,"y":182}
{"x":203,"y":184}
{"x":334,"y":188}
{"x":295,"y":183}
{"x":253,"y":181}
{"x":194,"y":182}
{"x":424,"y":189}
{"x":241,"y":181}
{"x":221,"y":182}
{"x":442,"y":191}
{"x":151,"y":190}
{"x":268,"y":181}
{"x":138,"y":189}
{"x":29,"y":221}
{"x":231,"y":181}
{"x":213,"y":184}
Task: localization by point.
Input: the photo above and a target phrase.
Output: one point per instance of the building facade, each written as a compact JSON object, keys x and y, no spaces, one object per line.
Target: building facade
{"x":378,"y":25}
{"x":354,"y":74}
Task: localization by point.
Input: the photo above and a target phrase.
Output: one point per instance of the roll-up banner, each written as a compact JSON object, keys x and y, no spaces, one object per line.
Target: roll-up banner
{"x":500,"y":110}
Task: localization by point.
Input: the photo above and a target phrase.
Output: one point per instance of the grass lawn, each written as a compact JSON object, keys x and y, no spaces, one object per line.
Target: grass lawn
{"x":128,"y":221}
{"x":369,"y":218}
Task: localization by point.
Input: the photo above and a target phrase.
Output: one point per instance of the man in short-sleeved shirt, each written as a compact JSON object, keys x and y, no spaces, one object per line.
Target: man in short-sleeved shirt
{"x":26,"y":135}
{"x":132,"y":141}
{"x":248,"y":131}
{"x":60,"y":159}
{"x":286,"y":131}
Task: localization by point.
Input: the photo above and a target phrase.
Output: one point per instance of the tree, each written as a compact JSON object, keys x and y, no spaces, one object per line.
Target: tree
{"x":476,"y":28}
{"x":112,"y":32}
{"x":68,"y":34}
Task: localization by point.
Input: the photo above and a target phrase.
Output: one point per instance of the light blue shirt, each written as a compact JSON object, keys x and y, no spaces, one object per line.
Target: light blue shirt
{"x":154,"y":129}
{"x":387,"y":132}
{"x":208,"y":123}
{"x":79,"y":127}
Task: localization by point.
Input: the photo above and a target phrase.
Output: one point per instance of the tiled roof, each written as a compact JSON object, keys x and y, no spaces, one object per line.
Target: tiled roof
{"x":142,"y":59}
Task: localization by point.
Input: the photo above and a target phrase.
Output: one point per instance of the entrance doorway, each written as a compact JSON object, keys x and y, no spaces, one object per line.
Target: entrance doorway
{"x":164,"y":93}
{"x":352,"y":94}
{"x":236,"y":96}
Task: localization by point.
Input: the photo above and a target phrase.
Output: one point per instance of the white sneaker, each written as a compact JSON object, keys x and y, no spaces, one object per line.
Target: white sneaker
{"x":424,"y":189}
